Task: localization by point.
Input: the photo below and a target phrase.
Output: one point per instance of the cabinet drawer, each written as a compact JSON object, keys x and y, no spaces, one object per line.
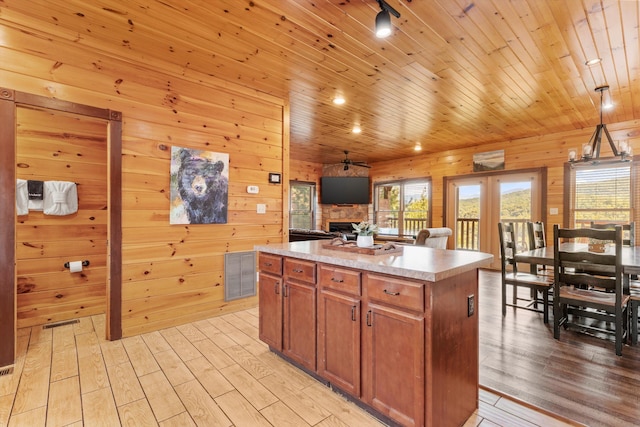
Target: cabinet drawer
{"x":270,"y":264}
{"x":397,"y":292}
{"x":304,"y":271}
{"x":340,"y":279}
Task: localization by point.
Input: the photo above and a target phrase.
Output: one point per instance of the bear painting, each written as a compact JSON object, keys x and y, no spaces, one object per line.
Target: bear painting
{"x":199,"y":186}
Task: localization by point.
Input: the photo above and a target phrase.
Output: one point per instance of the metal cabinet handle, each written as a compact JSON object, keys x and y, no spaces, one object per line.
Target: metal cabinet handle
{"x":296,"y":270}
{"x":277,"y":287}
{"x":353,"y":313}
{"x":369,"y":318}
{"x":268,"y":264}
{"x":333,"y":279}
{"x":284,"y":291}
{"x":395,"y":294}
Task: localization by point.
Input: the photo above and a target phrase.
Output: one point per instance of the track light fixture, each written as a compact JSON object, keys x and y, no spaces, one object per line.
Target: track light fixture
{"x":383,"y":20}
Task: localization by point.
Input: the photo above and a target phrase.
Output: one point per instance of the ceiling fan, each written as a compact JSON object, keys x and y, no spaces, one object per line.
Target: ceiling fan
{"x":348,"y":162}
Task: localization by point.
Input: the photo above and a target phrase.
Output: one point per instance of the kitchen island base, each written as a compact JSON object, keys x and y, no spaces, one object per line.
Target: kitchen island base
{"x":401,"y":346}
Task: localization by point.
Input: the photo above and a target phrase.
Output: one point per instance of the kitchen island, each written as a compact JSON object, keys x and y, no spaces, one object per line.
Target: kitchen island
{"x":397,"y":332}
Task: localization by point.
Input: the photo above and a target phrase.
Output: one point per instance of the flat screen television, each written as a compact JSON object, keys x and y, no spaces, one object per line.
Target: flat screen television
{"x":344,"y":190}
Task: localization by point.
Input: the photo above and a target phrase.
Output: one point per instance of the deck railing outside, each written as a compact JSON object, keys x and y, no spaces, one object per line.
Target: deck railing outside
{"x":468,"y":233}
{"x":411,"y":226}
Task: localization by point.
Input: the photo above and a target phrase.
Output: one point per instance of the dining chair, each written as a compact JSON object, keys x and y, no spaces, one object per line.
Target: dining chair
{"x":539,"y":285}
{"x":537,"y":240}
{"x":628,"y":231}
{"x":596,"y":292}
{"x":634,"y":300}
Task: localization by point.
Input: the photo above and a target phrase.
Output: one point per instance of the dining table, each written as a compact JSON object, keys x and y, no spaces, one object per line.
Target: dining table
{"x":544,"y":256}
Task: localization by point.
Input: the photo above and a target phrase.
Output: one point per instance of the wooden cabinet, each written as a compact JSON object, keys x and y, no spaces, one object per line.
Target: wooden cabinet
{"x":404,"y":347}
{"x":339,"y":320}
{"x":270,"y":297}
{"x":287,"y":319}
{"x":393,"y":348}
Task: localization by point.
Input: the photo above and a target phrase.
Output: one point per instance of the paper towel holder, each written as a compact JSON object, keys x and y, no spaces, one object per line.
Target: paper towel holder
{"x":85,"y":263}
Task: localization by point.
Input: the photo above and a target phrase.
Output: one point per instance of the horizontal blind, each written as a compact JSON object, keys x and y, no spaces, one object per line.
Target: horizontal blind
{"x":602,"y":194}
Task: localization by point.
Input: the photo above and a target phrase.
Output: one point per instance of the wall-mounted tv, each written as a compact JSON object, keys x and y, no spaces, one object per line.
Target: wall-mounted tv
{"x":344,"y":190}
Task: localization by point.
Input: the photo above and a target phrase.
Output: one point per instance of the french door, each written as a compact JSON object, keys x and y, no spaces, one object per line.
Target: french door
{"x":475,"y":205}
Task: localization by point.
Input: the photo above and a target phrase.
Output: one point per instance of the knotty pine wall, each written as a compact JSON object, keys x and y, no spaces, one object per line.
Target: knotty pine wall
{"x":550,"y":151}
{"x":52,"y":146}
{"x":172,"y":274}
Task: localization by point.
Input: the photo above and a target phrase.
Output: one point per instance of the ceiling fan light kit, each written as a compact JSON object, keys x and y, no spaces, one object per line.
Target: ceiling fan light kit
{"x":591,"y":150}
{"x":348,"y":162}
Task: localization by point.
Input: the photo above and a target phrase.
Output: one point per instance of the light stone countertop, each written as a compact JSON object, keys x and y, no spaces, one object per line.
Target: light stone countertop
{"x":414,"y":262}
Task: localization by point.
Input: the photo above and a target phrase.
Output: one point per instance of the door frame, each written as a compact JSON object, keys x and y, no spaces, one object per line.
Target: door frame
{"x":10,"y":100}
{"x":542,"y":172}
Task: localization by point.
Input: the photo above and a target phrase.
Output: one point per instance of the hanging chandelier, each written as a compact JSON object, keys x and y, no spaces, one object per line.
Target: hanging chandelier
{"x":591,"y":150}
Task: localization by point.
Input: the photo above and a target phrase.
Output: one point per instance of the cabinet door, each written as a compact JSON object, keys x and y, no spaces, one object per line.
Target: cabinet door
{"x":270,"y":315}
{"x":393,"y":363}
{"x":339,"y":340}
{"x":299,"y":340}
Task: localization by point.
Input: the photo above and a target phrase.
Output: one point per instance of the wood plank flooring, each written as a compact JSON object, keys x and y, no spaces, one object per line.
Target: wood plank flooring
{"x":216,"y":372}
{"x":579,"y":376}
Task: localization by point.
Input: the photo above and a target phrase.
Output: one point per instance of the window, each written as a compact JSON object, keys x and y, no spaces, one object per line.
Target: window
{"x":402,"y":208}
{"x":601,"y":194}
{"x":302,"y":205}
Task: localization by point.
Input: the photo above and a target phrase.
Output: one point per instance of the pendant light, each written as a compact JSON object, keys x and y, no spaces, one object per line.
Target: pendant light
{"x":591,"y":150}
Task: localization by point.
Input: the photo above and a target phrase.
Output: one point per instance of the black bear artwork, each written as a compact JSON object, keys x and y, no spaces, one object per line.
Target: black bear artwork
{"x":202,"y":187}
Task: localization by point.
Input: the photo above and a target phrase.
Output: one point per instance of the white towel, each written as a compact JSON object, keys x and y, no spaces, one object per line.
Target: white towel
{"x":22,"y":197}
{"x":60,"y":198}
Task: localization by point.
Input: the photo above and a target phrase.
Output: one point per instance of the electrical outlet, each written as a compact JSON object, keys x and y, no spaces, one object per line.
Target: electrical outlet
{"x":471,"y":305}
{"x":261,"y":208}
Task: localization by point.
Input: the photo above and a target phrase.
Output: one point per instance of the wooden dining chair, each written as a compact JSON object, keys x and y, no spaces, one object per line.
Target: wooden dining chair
{"x":538,"y":285}
{"x":596,"y":292}
{"x":628,"y":231}
{"x":634,"y":297}
{"x":537,"y":240}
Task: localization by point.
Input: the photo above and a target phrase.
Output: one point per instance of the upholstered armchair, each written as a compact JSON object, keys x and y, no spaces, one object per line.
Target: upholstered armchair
{"x":433,"y":237}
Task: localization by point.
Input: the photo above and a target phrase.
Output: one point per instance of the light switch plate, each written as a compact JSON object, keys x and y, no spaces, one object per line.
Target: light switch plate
{"x":253,"y":189}
{"x":261,"y":208}
{"x":553,"y":211}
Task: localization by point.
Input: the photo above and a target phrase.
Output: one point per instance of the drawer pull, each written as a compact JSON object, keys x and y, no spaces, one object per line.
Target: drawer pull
{"x":268,"y":264}
{"x":333,"y":279}
{"x":395,"y":294}
{"x":297,"y":270}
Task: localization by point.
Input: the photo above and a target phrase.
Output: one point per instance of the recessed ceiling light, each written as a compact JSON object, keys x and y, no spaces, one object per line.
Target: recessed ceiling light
{"x":356,"y":129}
{"x":592,"y":62}
{"x":338,"y":100}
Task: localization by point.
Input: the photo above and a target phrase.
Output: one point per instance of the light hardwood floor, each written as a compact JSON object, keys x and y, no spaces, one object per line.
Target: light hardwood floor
{"x":213,"y":372}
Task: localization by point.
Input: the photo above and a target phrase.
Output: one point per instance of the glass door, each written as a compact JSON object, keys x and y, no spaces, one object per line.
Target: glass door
{"x":468,"y":211}
{"x":475,"y":206}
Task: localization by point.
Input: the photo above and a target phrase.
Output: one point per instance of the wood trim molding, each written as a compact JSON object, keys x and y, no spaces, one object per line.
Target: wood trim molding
{"x":9,"y":101}
{"x":7,"y":228}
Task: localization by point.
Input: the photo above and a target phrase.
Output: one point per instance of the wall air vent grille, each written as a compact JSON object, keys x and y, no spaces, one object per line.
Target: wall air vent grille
{"x":55,"y":325}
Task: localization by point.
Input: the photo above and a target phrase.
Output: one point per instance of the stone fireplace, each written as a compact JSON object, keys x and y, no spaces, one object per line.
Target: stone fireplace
{"x":344,"y":213}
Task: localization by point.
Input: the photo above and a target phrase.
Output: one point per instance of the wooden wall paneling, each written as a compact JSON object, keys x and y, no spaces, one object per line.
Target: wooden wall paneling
{"x":7,"y":228}
{"x":165,"y":103}
{"x":155,"y":269}
{"x":55,"y":145}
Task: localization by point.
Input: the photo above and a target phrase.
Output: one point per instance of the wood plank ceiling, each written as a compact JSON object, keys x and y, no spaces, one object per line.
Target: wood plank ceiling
{"x":454,"y":73}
